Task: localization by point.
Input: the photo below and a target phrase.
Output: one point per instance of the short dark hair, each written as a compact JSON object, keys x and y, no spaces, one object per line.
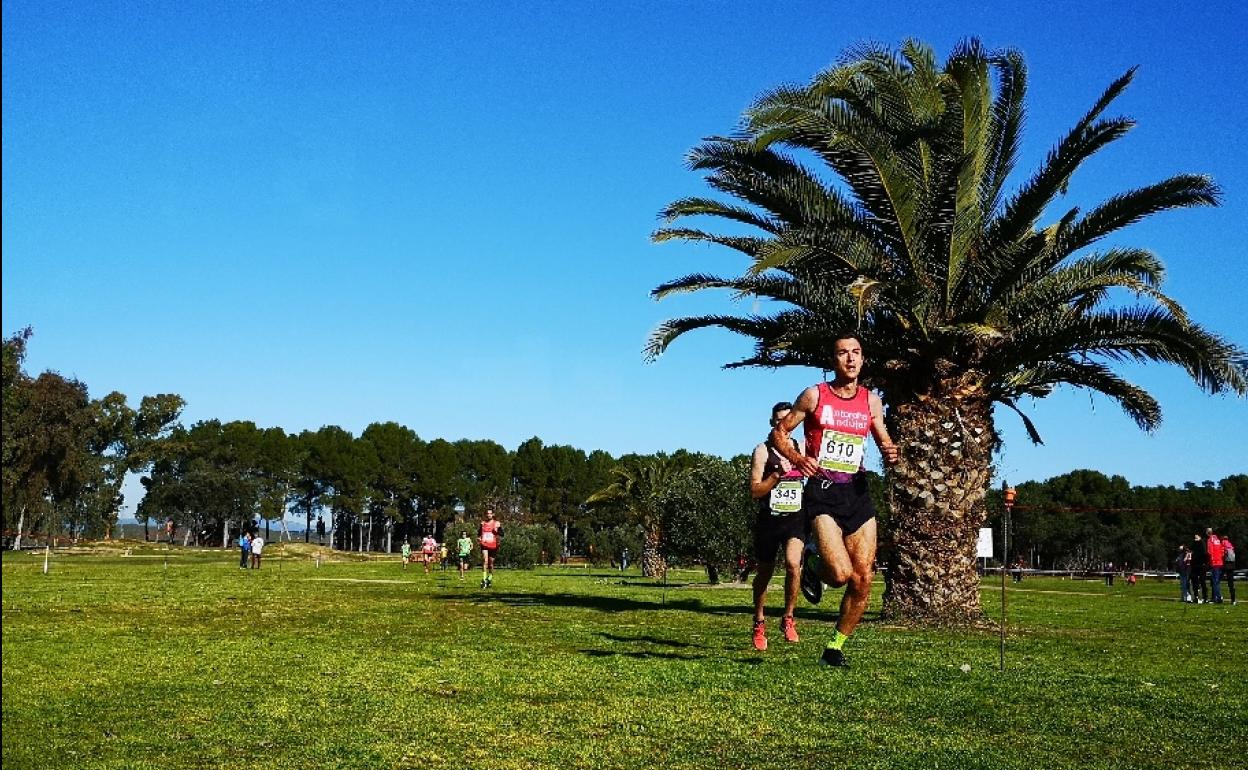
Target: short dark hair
{"x":779,"y":406}
{"x":848,"y":334}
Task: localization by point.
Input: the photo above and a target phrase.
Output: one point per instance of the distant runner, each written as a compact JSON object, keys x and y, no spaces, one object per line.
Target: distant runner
{"x":428,"y":551}
{"x":836,"y":418}
{"x":488,"y":536}
{"x":777,"y":487}
{"x":464,"y":547}
{"x":406,"y":550}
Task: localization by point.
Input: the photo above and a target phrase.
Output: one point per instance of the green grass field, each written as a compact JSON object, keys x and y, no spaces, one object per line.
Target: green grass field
{"x":112,"y":661}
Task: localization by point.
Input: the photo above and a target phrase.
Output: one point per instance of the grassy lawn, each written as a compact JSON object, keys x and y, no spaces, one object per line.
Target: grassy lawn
{"x":114,"y":661}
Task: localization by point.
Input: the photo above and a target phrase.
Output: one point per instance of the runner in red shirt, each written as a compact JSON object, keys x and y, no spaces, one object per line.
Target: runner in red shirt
{"x":488,"y":537}
{"x":428,"y":549}
{"x":836,"y":418}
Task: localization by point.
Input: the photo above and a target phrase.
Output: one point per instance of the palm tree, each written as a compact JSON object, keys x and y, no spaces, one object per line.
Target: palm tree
{"x":638,"y":489}
{"x":899,"y":227}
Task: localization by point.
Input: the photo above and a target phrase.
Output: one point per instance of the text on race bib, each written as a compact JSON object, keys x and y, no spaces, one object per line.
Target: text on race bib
{"x":841,"y":451}
{"x":786,"y":497}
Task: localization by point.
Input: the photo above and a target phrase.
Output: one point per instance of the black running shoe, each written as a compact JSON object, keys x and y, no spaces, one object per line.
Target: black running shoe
{"x":832,"y":657}
{"x":812,"y":585}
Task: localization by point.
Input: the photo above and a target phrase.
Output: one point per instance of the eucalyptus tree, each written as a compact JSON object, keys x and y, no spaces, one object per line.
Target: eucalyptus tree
{"x":874,"y":199}
{"x":392,"y":488}
{"x":484,"y":476}
{"x":277,"y":467}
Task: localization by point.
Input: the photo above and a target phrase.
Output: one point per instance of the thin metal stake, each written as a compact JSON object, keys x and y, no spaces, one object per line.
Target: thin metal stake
{"x":1005,"y":541}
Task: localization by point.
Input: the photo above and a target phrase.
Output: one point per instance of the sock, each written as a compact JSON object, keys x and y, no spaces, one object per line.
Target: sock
{"x":838,"y":641}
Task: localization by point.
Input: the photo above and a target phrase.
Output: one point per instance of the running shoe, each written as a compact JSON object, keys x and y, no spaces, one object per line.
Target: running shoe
{"x":832,"y":657}
{"x":812,"y":585}
{"x":760,"y":635}
{"x":789,"y":627}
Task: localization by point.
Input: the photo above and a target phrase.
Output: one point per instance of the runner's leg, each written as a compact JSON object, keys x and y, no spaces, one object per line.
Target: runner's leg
{"x":793,"y":549}
{"x":835,"y":567}
{"x":861,"y":549}
{"x":762,"y":576}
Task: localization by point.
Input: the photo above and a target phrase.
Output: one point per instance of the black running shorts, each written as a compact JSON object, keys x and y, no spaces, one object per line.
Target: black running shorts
{"x":771,"y":532}
{"x":848,"y":503}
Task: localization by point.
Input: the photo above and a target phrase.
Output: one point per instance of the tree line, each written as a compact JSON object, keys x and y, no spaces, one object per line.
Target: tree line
{"x":65,"y":457}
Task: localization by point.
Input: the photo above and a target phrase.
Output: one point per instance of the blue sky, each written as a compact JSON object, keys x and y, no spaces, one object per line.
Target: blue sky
{"x":438,"y":213}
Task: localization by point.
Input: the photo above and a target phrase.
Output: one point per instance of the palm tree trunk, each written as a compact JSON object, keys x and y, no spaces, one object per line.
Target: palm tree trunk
{"x":937,"y":498}
{"x":653,"y":565}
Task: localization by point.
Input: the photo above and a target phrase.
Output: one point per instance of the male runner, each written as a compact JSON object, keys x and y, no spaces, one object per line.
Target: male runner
{"x":491,"y":530}
{"x":428,"y":547}
{"x":464,"y":547}
{"x":836,"y":418}
{"x":777,"y":486}
{"x":406,"y":551}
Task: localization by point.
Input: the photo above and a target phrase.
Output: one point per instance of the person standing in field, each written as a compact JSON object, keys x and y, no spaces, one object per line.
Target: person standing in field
{"x":836,"y":418}
{"x":443,"y":554}
{"x":244,"y":548}
{"x":257,"y":551}
{"x":1213,"y":546}
{"x":406,"y":553}
{"x":463,"y":547}
{"x":778,"y":525}
{"x":1228,"y":560}
{"x":488,"y":536}
{"x":1199,"y":569}
{"x":1183,"y":566}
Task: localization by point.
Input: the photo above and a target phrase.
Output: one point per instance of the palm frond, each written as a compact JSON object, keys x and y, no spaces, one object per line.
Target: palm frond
{"x":695,"y":206}
{"x":1134,"y":400}
{"x":1182,"y":191}
{"x":750,"y":246}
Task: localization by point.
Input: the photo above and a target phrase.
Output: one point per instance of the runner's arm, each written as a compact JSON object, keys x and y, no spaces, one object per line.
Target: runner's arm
{"x":760,"y":485}
{"x":806,"y":403}
{"x":887,"y":448}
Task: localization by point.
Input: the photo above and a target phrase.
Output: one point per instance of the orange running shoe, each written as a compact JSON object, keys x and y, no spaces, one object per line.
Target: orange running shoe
{"x":789,"y":626}
{"x":760,"y":635}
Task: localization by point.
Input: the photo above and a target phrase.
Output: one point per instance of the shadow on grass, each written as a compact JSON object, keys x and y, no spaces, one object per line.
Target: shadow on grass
{"x":613,"y":604}
{"x":599,"y":603}
{"x":643,"y":654}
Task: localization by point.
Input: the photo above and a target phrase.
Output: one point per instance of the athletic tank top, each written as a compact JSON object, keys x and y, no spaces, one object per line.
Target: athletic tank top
{"x":787,"y":496}
{"x":836,"y":433}
{"x":489,"y":538}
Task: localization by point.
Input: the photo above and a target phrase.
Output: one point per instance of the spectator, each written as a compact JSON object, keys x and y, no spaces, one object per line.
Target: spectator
{"x":624,"y":559}
{"x":257,"y":550}
{"x":1213,"y":545}
{"x":244,"y":548}
{"x":320,"y":530}
{"x":1183,"y":566}
{"x":1200,"y":568}
{"x":1228,"y":559}
{"x":1109,"y":574}
{"x":1018,"y":570}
